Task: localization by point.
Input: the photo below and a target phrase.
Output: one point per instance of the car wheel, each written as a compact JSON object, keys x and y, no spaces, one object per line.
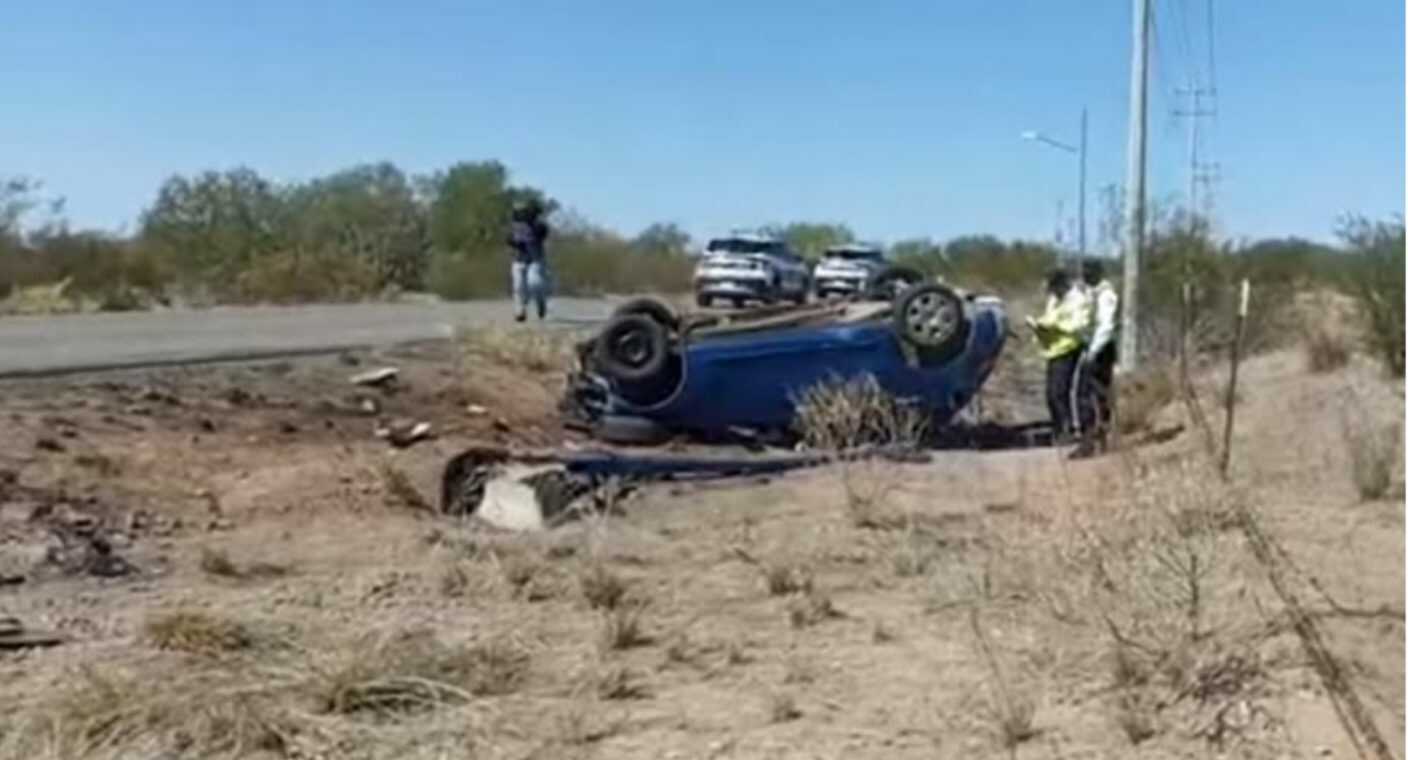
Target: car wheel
{"x":631,"y":348}
{"x":650,"y":307}
{"x":737,"y":302}
{"x":703,"y":301}
{"x":630,"y":431}
{"x":930,"y":317}
{"x":893,"y":282}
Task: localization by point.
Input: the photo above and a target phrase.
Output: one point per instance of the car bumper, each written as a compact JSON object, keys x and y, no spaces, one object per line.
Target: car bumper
{"x":839,"y":284}
{"x":730,"y":286}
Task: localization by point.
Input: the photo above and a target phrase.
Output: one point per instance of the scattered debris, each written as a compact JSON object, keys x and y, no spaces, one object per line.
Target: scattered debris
{"x":46,"y":443}
{"x":377,"y":378}
{"x":14,"y":635}
{"x":403,"y":433}
{"x":475,"y":410}
{"x":11,"y":580}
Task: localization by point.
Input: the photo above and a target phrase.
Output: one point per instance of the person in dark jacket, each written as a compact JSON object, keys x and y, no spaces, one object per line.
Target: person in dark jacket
{"x":527,"y":236}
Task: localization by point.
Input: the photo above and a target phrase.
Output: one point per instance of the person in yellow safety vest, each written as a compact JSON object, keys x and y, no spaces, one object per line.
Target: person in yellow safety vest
{"x":1060,"y":333}
{"x":1095,"y":372}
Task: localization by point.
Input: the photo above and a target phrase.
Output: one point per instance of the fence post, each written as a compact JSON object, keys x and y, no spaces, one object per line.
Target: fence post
{"x":1232,"y":381}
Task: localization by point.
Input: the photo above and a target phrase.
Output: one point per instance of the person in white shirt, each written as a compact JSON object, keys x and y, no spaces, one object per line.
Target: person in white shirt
{"x":1095,"y":371}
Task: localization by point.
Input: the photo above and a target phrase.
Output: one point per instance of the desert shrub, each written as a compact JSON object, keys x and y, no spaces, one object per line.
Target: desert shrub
{"x":1372,"y":446}
{"x":457,"y":277}
{"x":295,"y":276}
{"x":1142,"y":394}
{"x":1325,"y":350}
{"x":1374,"y":276}
{"x":842,"y":415}
{"x":196,"y":632}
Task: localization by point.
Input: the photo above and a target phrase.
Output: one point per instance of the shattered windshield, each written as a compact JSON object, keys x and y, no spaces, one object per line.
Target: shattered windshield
{"x":738,"y":245}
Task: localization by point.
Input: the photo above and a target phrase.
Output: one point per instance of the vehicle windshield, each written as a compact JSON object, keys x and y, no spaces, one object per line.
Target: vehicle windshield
{"x":853,"y":255}
{"x":740,"y":246}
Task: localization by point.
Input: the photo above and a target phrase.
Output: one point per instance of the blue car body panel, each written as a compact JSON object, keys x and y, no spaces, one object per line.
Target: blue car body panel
{"x":752,"y":379}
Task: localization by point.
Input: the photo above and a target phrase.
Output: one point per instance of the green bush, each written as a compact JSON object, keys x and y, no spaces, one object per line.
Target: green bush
{"x":459,"y":277}
{"x":300,"y":276}
{"x":1374,"y":276}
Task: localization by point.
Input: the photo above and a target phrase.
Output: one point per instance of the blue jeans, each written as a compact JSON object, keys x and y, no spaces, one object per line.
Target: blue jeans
{"x":530,"y":283}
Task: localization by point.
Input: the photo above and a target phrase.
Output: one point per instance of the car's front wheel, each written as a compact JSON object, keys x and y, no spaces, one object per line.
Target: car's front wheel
{"x":930,"y":318}
{"x":703,"y":301}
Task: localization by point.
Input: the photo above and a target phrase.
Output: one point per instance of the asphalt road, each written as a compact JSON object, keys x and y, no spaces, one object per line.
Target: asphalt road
{"x":37,"y":346}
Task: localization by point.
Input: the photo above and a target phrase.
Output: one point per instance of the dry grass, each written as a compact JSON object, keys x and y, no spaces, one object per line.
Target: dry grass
{"x":621,"y":683}
{"x":1326,"y":349}
{"x":844,"y":416}
{"x":782,"y":708}
{"x":1140,"y":397}
{"x":623,"y":627}
{"x":196,"y":632}
{"x":811,"y":608}
{"x":413,"y":670}
{"x":784,"y":578}
{"x":1014,"y":712}
{"x":400,"y":492}
{"x":602,"y":588}
{"x":217,"y":563}
{"x":527,"y":574}
{"x":140,"y":709}
{"x":1373,"y":449}
{"x":521,"y":348}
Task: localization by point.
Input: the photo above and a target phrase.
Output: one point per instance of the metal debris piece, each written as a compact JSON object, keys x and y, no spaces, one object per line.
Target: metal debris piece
{"x":376,"y":377}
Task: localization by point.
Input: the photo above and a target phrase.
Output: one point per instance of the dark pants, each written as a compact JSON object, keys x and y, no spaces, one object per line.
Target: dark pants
{"x":1060,"y":372}
{"x":1093,"y":391}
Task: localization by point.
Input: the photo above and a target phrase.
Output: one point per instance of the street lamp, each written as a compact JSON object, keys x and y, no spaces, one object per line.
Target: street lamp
{"x":1039,"y":137}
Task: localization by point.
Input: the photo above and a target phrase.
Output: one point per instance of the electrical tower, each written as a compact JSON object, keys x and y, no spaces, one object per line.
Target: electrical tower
{"x":1201,"y":103}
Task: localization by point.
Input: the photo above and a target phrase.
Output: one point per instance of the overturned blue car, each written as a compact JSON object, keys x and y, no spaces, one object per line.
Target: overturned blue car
{"x":651,"y":374}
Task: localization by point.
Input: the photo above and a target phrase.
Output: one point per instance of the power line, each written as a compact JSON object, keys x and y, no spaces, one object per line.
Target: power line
{"x":1212,"y":55}
{"x":1179,"y":14}
{"x":1161,"y":70}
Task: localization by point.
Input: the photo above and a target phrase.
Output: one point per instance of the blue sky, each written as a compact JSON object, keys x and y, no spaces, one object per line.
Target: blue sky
{"x":900,"y":118}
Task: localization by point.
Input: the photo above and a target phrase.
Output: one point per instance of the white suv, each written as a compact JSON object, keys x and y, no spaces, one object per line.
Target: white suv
{"x":848,"y":269}
{"x":746,"y":267}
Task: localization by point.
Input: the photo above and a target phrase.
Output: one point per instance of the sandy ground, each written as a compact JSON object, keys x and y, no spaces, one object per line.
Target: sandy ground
{"x":987,"y":604}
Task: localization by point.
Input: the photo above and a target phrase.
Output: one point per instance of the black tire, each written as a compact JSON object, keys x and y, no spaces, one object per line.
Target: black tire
{"x":703,"y":301}
{"x":650,"y":307}
{"x":930,"y":318}
{"x":630,"y":431}
{"x":737,"y":302}
{"x":631,"y":348}
{"x":892,"y":283}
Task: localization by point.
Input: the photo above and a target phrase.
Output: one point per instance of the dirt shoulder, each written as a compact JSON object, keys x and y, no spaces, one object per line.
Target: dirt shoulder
{"x":279,"y":575}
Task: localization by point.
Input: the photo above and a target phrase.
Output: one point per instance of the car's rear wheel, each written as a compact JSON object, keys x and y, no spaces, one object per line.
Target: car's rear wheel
{"x":890,"y":284}
{"x":632,"y":348}
{"x":737,"y":302}
{"x":703,"y":301}
{"x":930,"y":318}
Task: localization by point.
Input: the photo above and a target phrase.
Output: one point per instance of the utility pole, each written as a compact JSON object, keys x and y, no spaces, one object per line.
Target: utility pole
{"x":1134,"y":198}
{"x":1197,"y":170}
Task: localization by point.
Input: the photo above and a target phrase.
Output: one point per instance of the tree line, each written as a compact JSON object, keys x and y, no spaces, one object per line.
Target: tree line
{"x":235,"y":236}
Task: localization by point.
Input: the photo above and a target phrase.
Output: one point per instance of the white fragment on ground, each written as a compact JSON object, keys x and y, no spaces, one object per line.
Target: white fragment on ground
{"x":376,"y":377}
{"x":475,"y":410}
{"x":511,"y":504}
